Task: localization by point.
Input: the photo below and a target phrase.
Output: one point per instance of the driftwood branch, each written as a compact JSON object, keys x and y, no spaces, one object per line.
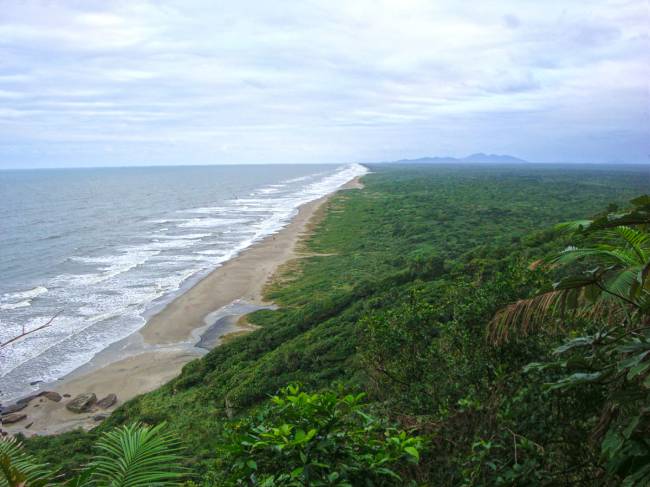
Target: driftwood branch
{"x":25,"y":333}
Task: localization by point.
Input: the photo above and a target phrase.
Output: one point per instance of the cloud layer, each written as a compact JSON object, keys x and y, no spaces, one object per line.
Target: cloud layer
{"x":87,"y":82}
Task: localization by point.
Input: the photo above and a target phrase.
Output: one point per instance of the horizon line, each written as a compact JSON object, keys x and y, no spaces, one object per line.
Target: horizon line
{"x":396,"y":161}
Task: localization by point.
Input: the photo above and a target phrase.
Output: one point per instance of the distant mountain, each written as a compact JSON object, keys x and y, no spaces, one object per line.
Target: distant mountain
{"x":480,"y":157}
{"x":474,"y":158}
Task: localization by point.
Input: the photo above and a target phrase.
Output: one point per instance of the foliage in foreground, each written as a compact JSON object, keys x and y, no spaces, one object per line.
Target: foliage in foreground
{"x":321,"y":439}
{"x":130,"y":456}
{"x":605,"y":283}
{"x":314,"y":439}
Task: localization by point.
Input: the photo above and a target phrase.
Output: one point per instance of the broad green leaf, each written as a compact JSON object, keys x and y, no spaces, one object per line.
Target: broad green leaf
{"x":413,"y":452}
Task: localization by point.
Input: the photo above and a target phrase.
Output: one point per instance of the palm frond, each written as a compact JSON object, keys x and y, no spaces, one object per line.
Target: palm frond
{"x":623,"y":283}
{"x":137,"y":456}
{"x":601,"y":252}
{"x":627,"y":256}
{"x":636,"y":239}
{"x":548,"y":310}
{"x":20,"y":469}
{"x":573,"y":226}
{"x":524,"y":316}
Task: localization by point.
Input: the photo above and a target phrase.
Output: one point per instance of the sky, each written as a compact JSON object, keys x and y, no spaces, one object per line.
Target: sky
{"x":95,"y":83}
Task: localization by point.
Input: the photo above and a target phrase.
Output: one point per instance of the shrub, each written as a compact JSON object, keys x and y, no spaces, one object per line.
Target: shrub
{"x":313,"y":439}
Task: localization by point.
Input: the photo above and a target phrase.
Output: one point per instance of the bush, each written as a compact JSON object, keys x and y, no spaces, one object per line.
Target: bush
{"x":313,"y":439}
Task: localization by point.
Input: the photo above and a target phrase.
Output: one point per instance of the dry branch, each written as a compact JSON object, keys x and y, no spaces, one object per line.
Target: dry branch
{"x":25,"y":333}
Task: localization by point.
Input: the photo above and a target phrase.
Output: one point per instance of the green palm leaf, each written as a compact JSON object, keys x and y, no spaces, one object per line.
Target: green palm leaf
{"x":135,"y":456}
{"x":623,"y":283}
{"x":636,"y":239}
{"x":620,"y":280}
{"x":573,"y":226}
{"x":605,"y":253}
{"x":18,"y":468}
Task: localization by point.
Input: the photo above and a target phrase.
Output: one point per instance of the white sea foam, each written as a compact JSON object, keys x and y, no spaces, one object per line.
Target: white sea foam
{"x":189,"y":236}
{"x":302,"y":178}
{"x":28,"y":294}
{"x":20,"y":299}
{"x":210,"y":252}
{"x":210,"y":222}
{"x":20,"y":304}
{"x":112,"y":265}
{"x":270,"y":189}
{"x":223,"y":210}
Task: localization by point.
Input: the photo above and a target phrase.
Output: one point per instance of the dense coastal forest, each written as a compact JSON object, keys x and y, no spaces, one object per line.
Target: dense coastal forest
{"x":439,"y":329}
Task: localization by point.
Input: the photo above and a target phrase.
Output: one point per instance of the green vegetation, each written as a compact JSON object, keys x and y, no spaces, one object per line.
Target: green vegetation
{"x":129,"y":456}
{"x":406,"y":297}
{"x":606,"y":300}
{"x":313,"y":439}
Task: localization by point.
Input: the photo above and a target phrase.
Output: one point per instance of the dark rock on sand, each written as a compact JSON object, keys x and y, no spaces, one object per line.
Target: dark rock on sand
{"x":82,"y":403}
{"x":67,"y":395}
{"x":107,"y":402}
{"x":13,"y":408}
{"x":51,"y":395}
{"x":100,"y":417}
{"x":13,"y":418}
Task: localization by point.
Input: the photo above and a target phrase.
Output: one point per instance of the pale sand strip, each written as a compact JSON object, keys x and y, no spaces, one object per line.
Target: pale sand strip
{"x":243,"y":277}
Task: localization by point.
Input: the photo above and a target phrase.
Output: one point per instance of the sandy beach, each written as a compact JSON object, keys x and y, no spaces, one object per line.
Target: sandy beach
{"x":157,"y":353}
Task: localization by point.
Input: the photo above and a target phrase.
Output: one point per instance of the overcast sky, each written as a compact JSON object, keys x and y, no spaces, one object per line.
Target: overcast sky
{"x":85,"y":83}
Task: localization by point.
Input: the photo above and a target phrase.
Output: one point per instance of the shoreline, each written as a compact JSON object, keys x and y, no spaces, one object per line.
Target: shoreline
{"x":208,"y":312}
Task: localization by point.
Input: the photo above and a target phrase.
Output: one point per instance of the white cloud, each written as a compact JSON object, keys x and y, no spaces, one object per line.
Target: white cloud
{"x":322,"y":79}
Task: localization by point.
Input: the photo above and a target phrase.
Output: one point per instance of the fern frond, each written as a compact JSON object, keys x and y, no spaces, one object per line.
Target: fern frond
{"x":137,"y":456}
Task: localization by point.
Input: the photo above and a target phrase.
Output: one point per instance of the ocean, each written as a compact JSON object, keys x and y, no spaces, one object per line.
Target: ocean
{"x":101,"y":248}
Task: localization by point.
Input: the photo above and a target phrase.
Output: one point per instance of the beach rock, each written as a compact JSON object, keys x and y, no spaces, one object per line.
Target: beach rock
{"x":107,"y":402}
{"x":13,"y":408}
{"x":27,"y":399}
{"x":82,"y":403}
{"x":100,"y":417}
{"x":67,"y":395}
{"x":29,"y":425}
{"x":52,"y":396}
{"x":13,"y":418}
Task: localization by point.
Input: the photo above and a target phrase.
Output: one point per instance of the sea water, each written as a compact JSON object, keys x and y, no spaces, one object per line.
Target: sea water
{"x":99,"y":248}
